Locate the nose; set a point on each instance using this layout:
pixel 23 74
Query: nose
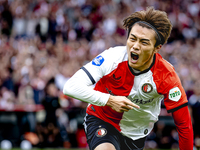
pixel 136 45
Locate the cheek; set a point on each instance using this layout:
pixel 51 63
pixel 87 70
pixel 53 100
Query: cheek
pixel 147 54
pixel 129 44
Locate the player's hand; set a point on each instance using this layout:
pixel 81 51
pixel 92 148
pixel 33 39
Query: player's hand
pixel 120 103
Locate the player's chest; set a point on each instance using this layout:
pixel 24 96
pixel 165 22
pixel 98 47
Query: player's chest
pixel 139 89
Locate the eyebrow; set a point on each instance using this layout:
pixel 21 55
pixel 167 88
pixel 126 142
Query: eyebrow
pixel 141 39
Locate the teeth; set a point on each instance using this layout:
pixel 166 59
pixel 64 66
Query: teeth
pixel 134 56
pixel 134 53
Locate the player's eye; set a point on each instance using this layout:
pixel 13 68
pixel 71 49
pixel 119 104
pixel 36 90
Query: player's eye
pixel 132 39
pixel 144 43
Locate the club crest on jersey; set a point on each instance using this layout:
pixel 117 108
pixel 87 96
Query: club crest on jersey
pixel 101 132
pixel 147 88
pixel 175 94
pixel 98 61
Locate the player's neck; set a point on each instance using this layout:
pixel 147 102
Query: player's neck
pixel 135 71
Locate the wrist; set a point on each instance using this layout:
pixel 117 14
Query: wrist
pixel 109 102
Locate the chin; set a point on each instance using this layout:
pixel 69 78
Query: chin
pixel 134 66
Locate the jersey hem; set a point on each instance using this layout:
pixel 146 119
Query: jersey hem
pixel 177 108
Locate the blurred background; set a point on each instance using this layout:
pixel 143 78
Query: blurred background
pixel 44 42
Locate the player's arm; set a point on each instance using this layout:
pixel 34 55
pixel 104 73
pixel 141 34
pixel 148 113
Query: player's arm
pixel 183 123
pixel 176 103
pixel 78 86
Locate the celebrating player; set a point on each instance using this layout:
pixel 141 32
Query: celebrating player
pixel 130 83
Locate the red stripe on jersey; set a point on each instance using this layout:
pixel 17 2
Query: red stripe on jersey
pixel 119 82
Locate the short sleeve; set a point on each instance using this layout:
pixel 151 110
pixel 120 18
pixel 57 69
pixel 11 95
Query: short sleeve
pixel 174 94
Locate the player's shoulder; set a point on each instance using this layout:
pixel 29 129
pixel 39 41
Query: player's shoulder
pixel 163 65
pixel 107 61
pixel 111 57
pixel 164 71
pixel 164 74
pixel 116 51
pixel 115 54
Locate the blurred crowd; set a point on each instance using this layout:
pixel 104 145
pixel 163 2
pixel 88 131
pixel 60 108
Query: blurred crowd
pixel 44 42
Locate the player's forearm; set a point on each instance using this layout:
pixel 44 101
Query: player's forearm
pixel 78 86
pixel 183 123
pixel 185 138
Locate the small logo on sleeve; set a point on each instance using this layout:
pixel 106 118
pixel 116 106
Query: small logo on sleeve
pixel 98 61
pixel 175 94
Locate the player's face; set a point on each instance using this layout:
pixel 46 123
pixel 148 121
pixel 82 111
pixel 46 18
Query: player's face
pixel 140 47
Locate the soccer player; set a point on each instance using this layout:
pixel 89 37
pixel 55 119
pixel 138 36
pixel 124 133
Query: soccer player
pixel 130 83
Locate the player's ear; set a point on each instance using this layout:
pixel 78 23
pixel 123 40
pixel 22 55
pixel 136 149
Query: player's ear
pixel 157 48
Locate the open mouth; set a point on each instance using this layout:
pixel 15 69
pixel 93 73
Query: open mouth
pixel 134 56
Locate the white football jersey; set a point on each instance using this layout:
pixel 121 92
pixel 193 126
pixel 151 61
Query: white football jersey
pixel 112 75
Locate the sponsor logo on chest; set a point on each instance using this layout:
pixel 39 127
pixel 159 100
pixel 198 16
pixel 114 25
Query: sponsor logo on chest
pixel 137 101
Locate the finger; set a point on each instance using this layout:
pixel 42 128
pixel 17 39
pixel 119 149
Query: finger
pixel 128 107
pixel 131 104
pixel 124 109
